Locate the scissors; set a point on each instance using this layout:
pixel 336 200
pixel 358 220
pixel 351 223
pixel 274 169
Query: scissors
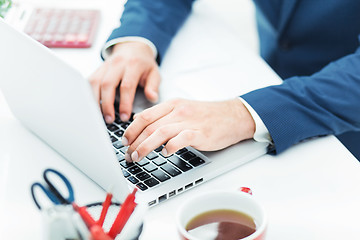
pixel 51 191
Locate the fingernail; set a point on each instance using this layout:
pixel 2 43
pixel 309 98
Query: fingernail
pixel 164 152
pixel 135 156
pixel 108 119
pixel 127 157
pixel 124 117
pixel 124 141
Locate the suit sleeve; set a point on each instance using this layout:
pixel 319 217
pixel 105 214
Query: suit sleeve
pixel 157 21
pixel 327 102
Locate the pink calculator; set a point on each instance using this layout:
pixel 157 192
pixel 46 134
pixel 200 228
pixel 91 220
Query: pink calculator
pixel 63 28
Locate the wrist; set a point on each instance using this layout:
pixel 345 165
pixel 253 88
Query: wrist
pixel 245 123
pixel 139 46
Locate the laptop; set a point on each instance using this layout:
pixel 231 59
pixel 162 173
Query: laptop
pixel 55 102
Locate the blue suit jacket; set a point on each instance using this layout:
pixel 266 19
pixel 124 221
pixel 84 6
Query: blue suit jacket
pixel 312 44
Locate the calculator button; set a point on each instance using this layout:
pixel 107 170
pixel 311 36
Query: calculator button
pixel 83 38
pixel 70 38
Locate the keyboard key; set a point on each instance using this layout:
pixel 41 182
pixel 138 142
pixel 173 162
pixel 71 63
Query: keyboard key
pixel 151 182
pixel 131 117
pixel 120 156
pixel 151 156
pixel 150 167
pixel 159 148
pixel 118 145
pixel 113 139
pixel 159 161
pixel 142 186
pixel 188 155
pixel 142 176
pixel 124 149
pixel 134 170
pixel 119 133
pixel 124 125
pixel 143 162
pixel 184 166
pixel 125 173
pixel 117 119
pixel 160 175
pixel 112 127
pixel 196 161
pixel 133 179
pixel 181 151
pixel 171 170
pixel 126 164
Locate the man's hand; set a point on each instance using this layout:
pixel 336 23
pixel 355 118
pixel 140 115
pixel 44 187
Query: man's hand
pixel 206 126
pixel 130 64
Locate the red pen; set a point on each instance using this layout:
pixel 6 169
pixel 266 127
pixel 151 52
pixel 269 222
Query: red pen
pixel 89 221
pixel 126 210
pixel 105 206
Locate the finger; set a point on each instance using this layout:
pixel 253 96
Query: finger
pixel 108 90
pixel 152 84
pixel 183 139
pixel 144 119
pixel 95 81
pixel 128 87
pixel 146 144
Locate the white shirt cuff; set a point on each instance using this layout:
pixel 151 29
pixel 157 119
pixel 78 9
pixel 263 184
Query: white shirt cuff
pixel 261 132
pixel 107 49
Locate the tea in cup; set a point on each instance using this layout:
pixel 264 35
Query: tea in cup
pixel 222 215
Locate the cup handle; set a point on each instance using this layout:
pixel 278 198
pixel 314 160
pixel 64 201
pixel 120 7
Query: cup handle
pixel 246 190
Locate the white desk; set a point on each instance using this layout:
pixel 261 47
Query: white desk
pixel 311 191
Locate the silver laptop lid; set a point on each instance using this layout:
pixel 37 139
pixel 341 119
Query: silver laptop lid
pixel 55 102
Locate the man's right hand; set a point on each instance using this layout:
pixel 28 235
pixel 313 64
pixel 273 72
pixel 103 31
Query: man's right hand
pixel 130 64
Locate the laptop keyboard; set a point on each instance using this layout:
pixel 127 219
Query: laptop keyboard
pixel 155 168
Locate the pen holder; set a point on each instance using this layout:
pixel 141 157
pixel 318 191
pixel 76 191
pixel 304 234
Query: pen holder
pixel 59 224
pixel 133 228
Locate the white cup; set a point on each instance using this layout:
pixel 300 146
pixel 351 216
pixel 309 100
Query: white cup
pixel 240 201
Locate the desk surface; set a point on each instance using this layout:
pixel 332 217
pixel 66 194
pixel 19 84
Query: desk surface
pixel 309 192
